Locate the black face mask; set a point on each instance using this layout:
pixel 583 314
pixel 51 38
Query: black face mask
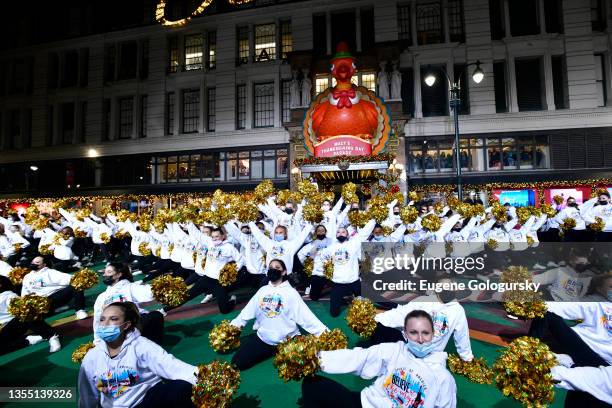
pixel 446 296
pixel 247 232
pixel 395 213
pixel 572 205
pixel 108 280
pixel 289 210
pixel 341 238
pixel 33 267
pixel 581 267
pixel 456 229
pixel 603 202
pixel 274 274
pixel 321 236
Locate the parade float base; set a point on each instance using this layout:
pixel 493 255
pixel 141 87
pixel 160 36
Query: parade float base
pixel 339 173
pixel 186 337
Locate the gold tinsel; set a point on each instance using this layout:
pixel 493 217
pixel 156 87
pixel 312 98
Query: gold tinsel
pixel 144 249
pixel 29 307
pixel 246 211
pixel 297 358
pixel 568 224
pixel 328 269
pixel 306 189
pixel 313 213
pixel 522 372
pixel 308 266
pixel 378 212
pixel 224 337
pixel 358 218
pixel 477 370
pixel 105 238
pixel 84 279
pixel 228 274
pixel 216 384
pixel 169 290
pixel 431 222
pixel 45 249
pixel 598 225
pixel 408 214
pixel 523 214
pixel 491 243
pixel 349 193
pixel 263 191
pixel 558 199
pixel 548 210
pixel 79 354
pixel 282 197
pixel 360 317
pixel 413 196
pixel 16 275
pixel 332 340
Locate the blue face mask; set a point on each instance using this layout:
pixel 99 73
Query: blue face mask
pixel 108 333
pixel 420 350
pixel 379 238
pixel 279 237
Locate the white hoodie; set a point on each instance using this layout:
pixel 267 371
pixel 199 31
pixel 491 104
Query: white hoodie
pixel 596 327
pixel 218 256
pixel 597 381
pixel 5 299
pixel 402 380
pixel 278 311
pixel 249 248
pixel 566 285
pixel 123 381
pixel 449 320
pixel 44 282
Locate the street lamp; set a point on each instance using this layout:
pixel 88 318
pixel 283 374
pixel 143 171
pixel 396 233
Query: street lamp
pixel 455 103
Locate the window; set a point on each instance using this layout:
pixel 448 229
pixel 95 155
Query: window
pixel 212 49
pixel 560 86
pixel 170 113
pixel 529 84
pixel 598 15
pixel 264 105
pixel 286 38
pixel 126 117
pixel 193 52
pixel 523 17
pixel 455 21
pixel 368 80
pixel 242 34
pixel 344 28
pixel 601 80
pixel 286 100
pixel 553 16
pixel 434 98
pixel 191 110
pixel 429 22
pixel 321 84
pixel 403 23
pixel 67 123
pixel 211 104
pixel 408 91
pixel 496 19
pixel 319 34
pixel 173 54
pixel 499 83
pixel 367 29
pixel 241 102
pixel 110 57
pixel 265 42
pixel 143 116
pixel 127 60
pixel 70 72
pixel 106 119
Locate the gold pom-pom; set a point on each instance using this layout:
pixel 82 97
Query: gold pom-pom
pixel 548 210
pixel 263 191
pixel 79 233
pixel 306 189
pixel 144 249
pixel 105 238
pixel 598 225
pixel 515 274
pixel 477 370
pixel 169 290
pixel 524 304
pixel 349 193
pixel 228 274
pixel 79 354
pixel 221 216
pixel 84 279
pixel 431 222
pixel 523 214
pixel 121 234
pixel 499 212
pixel 360 317
pixel 409 214
pixel 332 340
pixel 413 196
pixel 568 224
pixel 308 266
pixel 216 384
pixel 297 358
pixel 16 275
pixel 328 269
pixel 17 247
pixel 45 249
pixel 358 218
pixel 522 372
pixel 558 199
pixel 29 307
pixel 246 211
pixel 491 243
pixel 282 197
pixel 379 213
pixel 224 337
pixel 530 241
pixel 157 252
pixel 313 213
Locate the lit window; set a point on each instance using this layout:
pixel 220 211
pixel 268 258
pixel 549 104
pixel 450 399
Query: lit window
pixel 286 38
pixel 369 81
pixel 212 49
pixel 265 42
pixel 193 52
pixel 321 84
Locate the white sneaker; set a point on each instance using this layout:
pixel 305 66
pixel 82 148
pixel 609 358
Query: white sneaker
pixel 34 339
pixel 81 314
pixel 136 272
pixel 78 265
pixel 512 317
pixel 539 267
pixel 551 264
pixel 307 291
pixel 207 298
pixel 232 298
pixel 54 344
pixel 162 311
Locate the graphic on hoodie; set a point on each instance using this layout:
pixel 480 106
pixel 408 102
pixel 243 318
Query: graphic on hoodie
pixel 405 388
pixel 277 252
pixel 440 324
pixel 341 256
pixel 271 305
pixel 572 286
pixel 115 297
pixel 115 383
pixel 606 319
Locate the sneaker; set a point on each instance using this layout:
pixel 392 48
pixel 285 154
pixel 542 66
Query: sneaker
pixel 78 265
pixel 232 298
pixel 136 272
pixel 207 298
pixel 163 312
pixel 307 291
pixel 512 317
pixel 538 267
pixel 34 339
pixel 551 264
pixel 54 344
pixel 81 314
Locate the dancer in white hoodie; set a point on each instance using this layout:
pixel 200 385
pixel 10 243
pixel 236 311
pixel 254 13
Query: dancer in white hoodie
pixel 126 369
pixel 408 374
pixel 278 310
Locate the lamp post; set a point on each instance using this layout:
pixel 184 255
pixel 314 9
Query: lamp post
pixel 455 103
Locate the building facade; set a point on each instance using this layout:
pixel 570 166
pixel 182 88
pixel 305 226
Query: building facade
pixel 156 109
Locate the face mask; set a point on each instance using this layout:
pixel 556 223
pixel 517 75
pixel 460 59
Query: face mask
pixel 108 333
pixel 419 350
pixel 107 280
pixel 341 238
pixel 603 202
pixel 446 296
pixel 279 237
pixel 581 267
pixel 289 210
pixel 274 274
pixel 34 267
pixel 395 212
pixel 377 238
pixel 321 236
pixel 216 242
pixel 246 232
pixel 572 205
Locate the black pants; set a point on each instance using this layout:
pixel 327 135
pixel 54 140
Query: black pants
pixel 105 252
pixel 183 272
pixel 252 351
pixel 567 341
pixel 251 280
pixel 604 236
pixel 12 334
pixel 384 334
pixel 153 326
pixel 340 290
pixel 63 265
pixel 321 392
pixel 158 268
pixel 64 296
pixel 168 393
pixel 204 284
pixel 317 283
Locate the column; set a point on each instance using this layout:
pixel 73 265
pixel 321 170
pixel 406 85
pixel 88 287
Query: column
pixel 56 124
pixel 413 23
pixel 512 99
pixel 418 107
pixel 250 104
pixel 548 81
